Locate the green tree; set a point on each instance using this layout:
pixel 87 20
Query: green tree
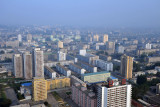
pixel 5 102
pixel 141 79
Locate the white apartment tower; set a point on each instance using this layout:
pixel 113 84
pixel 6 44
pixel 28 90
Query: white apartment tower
pixel 116 96
pixel 18 65
pixel 61 56
pixel 38 63
pixel 20 38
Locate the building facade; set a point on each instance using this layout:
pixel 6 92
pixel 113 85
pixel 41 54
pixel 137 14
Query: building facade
pixel 18 65
pixel 38 63
pixel 61 56
pixel 77 68
pixel 63 70
pixel 39 89
pixel 126 66
pixel 116 96
pixel 58 83
pixel 27 66
pixel 95 77
pixel 108 66
pixel 83 97
pixel 105 38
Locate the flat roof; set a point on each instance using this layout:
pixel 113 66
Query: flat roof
pixel 113 78
pixel 95 73
pixel 26 84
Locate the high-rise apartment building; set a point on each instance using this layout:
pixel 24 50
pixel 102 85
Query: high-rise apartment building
pixel 126 66
pixel 29 38
pixel 38 63
pixel 61 56
pixel 20 38
pixel 110 45
pixel 105 38
pixel 60 44
pixel 18 65
pixel 96 38
pixel 115 96
pixel 158 88
pixel 27 65
pixel 39 89
pixel 148 46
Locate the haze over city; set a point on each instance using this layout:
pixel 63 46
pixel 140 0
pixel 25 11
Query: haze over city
pixel 79 53
pixel 108 13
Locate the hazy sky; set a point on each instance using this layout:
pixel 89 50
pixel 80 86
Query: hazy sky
pixel 110 13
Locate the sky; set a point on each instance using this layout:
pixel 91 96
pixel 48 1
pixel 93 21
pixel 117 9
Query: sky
pixel 108 13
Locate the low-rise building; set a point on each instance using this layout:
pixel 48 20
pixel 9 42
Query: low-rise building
pixel 151 71
pixel 153 59
pixel 136 74
pixel 96 77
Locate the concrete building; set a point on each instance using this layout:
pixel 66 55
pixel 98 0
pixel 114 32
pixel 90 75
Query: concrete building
pixel 82 52
pixel 60 45
pixel 88 58
pixel 74 80
pixel 136 74
pixel 108 66
pixel 105 57
pixel 148 46
pixel 158 88
pixel 115 96
pixel 83 97
pixel 18 65
pixel 26 90
pixel 12 44
pixel 87 66
pixel 61 56
pixel 105 38
pixel 63 70
pixel 110 45
pixel 38 63
pixel 151 71
pixel 76 68
pixel 95 77
pixel 120 49
pixel 27 65
pixel 146 51
pixel 58 83
pixel 49 72
pixel 39 89
pixel 96 38
pixel 29 38
pixel 153 59
pixel 19 38
pixel 126 66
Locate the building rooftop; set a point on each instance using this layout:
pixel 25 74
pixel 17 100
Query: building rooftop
pixel 95 73
pixel 26 84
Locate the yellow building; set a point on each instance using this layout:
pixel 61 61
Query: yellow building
pixel 105 38
pixel 96 38
pixel 39 89
pixel 60 44
pixel 58 83
pixel 126 66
